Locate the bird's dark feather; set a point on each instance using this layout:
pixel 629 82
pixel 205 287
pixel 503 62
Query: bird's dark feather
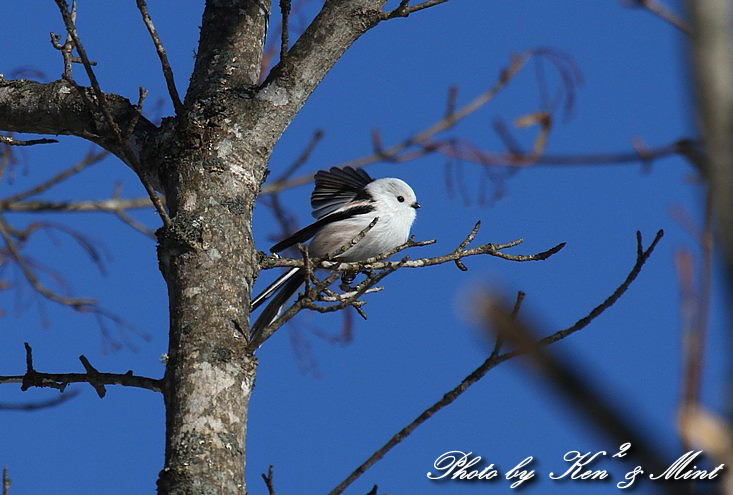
pixel 270 312
pixel 337 187
pixel 307 232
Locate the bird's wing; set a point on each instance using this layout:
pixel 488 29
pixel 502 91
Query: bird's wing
pixel 307 232
pixel 336 188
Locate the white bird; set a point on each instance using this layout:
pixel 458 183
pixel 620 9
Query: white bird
pixel 344 201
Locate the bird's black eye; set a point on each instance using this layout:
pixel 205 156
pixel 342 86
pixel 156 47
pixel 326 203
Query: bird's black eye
pixel 401 199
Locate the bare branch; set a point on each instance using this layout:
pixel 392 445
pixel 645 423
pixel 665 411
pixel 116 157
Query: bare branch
pixel 422 137
pixel 491 362
pixel 353 242
pixel 662 12
pixel 59 107
pixel 303 158
pixel 695 309
pixel 129 156
pixel 403 10
pixel 500 338
pixel 29 274
pixel 268 479
pixel 102 205
pixel 68 46
pixel 284 34
pixel 642 256
pixel 456 255
pixel 90 159
pixel 377 270
pixel 97 380
pixel 165 65
pixel 18 142
pixel 582 394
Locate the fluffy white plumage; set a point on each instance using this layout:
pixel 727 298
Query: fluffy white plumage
pixel 345 201
pixel 391 230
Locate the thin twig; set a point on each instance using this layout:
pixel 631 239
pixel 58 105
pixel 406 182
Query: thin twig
pixel 284 42
pixel 102 205
pixel 353 242
pixel 97 380
pixel 403 9
pixel 269 481
pixel 500 338
pixel 443 124
pixel 29 142
pixel 491 362
pixel 129 155
pixel 67 47
pixel 160 49
pixel 302 158
pixel 662 12
pixel 90 159
pixel 642 256
pixel 29 274
pixel 6 481
pixel 582 394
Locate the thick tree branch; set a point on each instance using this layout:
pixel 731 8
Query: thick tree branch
pixel 229 49
pixel 60 107
pixel 97 380
pixel 324 41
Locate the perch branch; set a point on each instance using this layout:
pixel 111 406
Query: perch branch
pixel 456 255
pixel 377 270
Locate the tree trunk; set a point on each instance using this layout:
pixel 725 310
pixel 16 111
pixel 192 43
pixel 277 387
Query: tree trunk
pixel 209 160
pixel 211 173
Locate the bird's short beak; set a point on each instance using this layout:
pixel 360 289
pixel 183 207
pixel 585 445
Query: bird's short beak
pixel 415 205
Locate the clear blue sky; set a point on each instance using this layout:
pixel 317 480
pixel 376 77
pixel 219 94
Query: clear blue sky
pixel 319 407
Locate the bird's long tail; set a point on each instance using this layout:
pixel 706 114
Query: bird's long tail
pixel 288 284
